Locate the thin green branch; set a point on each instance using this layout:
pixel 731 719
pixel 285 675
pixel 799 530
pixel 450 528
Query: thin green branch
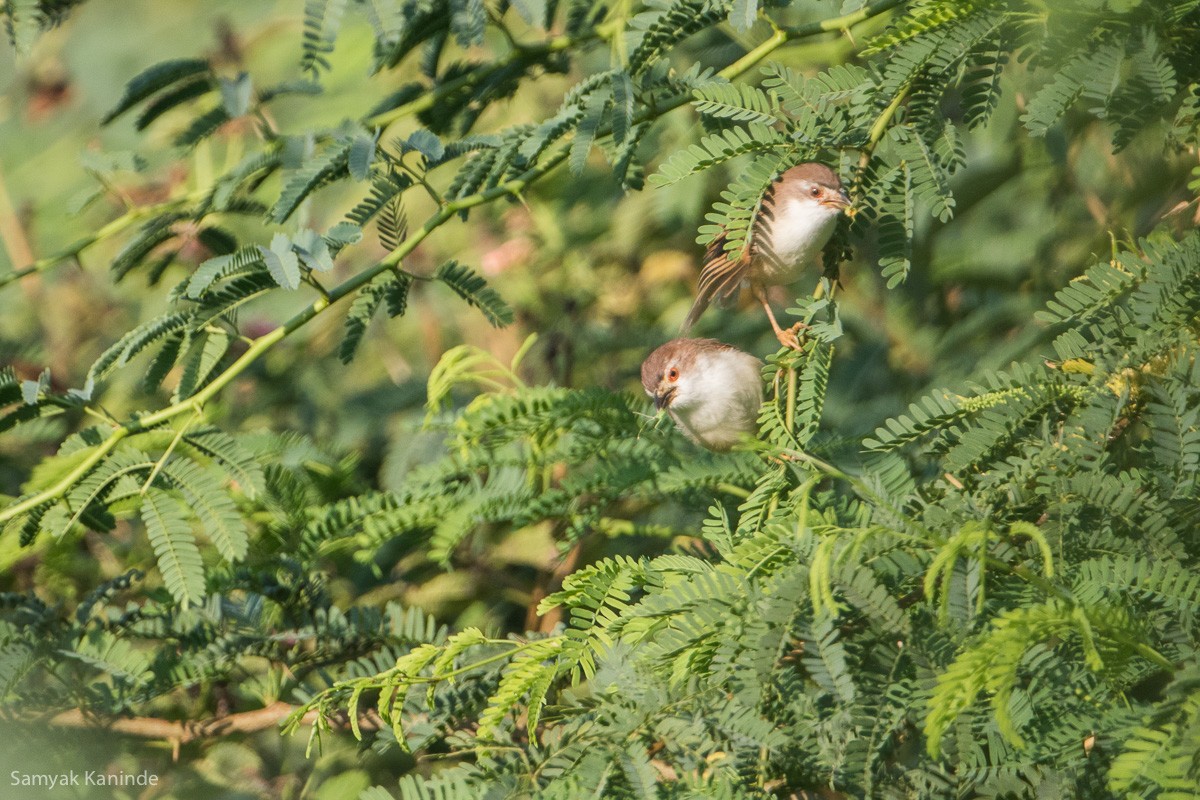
pixel 881 124
pixel 736 491
pixel 158 465
pixel 790 417
pixel 118 225
pixel 68 480
pixel 419 177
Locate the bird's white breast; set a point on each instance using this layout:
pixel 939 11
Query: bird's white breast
pixel 797 235
pixel 722 400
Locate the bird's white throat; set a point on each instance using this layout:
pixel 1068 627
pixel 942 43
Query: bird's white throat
pixel 797 235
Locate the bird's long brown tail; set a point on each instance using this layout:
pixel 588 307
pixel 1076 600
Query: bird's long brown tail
pixel 719 278
pixel 698 308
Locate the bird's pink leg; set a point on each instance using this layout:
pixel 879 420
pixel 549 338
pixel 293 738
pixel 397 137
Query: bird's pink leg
pixel 787 337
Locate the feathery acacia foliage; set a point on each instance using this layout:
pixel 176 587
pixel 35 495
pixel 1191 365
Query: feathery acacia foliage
pixel 991 595
pixel 1035 599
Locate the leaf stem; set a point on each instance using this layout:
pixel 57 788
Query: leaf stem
pixel 881 124
pixel 736 491
pixel 791 401
pixel 158 465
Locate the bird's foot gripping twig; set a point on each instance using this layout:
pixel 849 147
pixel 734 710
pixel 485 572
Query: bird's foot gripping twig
pixel 792 337
pixel 788 337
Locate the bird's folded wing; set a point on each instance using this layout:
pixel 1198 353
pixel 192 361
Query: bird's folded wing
pixel 720 278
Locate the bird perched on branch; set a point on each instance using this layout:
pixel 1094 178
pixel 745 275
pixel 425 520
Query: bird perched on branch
pixel 712 390
pixel 795 221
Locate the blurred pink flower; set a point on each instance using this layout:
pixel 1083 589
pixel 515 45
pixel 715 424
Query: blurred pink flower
pixel 506 256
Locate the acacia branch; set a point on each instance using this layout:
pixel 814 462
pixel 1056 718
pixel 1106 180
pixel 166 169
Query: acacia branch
pixel 512 188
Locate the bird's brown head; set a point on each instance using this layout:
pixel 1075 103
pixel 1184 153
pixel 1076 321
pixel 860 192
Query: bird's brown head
pixel 814 183
pixel 669 365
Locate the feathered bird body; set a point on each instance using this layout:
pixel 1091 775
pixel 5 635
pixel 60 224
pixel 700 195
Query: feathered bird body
pixel 712 391
pixel 791 240
pixel 796 219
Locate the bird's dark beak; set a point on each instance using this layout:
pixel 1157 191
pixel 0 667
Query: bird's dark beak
pixel 839 200
pixel 663 397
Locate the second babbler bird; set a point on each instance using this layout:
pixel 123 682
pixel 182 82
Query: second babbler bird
pixel 796 218
pixel 712 390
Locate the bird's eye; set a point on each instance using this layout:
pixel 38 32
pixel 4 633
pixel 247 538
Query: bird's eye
pixel 672 374
pixel 815 191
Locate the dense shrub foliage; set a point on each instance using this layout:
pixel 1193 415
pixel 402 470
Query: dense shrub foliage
pixel 990 594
